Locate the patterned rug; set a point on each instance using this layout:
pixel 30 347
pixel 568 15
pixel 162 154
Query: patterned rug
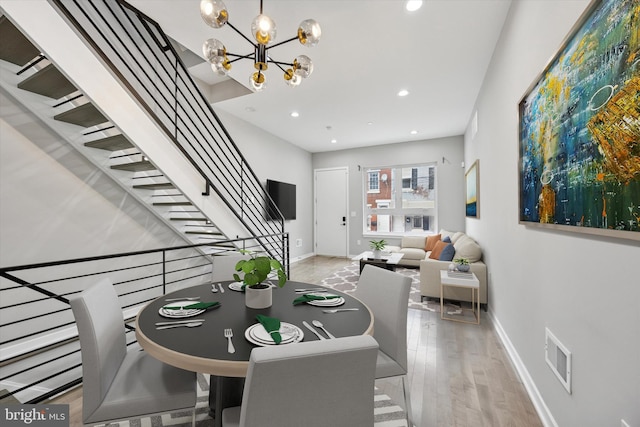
pixel 386 412
pixel 346 280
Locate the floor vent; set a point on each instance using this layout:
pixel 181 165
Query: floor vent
pixel 558 358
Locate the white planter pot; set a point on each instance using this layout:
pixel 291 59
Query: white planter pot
pixel 377 254
pixel 258 297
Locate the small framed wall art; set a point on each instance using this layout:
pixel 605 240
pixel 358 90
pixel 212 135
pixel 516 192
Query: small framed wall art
pixel 472 197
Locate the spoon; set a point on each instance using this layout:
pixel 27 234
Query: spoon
pixel 318 324
pixel 188 325
pixel 336 310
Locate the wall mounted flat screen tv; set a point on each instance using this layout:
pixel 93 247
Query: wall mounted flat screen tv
pixel 284 197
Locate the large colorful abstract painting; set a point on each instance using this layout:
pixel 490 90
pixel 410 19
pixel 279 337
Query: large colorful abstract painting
pixel 580 128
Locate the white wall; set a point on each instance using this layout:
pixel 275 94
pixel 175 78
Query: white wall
pixel 55 204
pixel 450 179
pixel 585 289
pixel 272 158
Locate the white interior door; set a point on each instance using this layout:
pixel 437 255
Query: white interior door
pixel 331 229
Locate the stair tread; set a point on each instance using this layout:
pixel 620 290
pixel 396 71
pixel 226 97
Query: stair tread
pixel 110 143
pixel 15 47
pixel 143 165
pixel 154 185
pixel 49 82
pixel 86 115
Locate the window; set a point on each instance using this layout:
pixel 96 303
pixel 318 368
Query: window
pixel 374 181
pixel 399 199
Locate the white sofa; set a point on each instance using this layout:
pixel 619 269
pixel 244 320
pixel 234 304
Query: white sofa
pixel 465 247
pixel 415 254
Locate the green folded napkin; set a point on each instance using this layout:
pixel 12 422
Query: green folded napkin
pixel 272 326
pixel 309 297
pixel 195 306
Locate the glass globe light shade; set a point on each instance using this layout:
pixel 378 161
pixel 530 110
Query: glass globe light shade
pixel 309 32
pixel 294 81
pixel 214 13
pixel 221 68
pixel 303 66
pixel 214 51
pixel 257 82
pixel 263 29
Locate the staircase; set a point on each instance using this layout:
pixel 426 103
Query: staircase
pixel 80 122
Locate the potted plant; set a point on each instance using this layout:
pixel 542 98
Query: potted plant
pixel 256 270
pixel 377 246
pixel 462 264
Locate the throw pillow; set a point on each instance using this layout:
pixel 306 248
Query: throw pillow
pixel 431 242
pixel 447 239
pixel 437 250
pixel 467 248
pixel 456 236
pixel 447 253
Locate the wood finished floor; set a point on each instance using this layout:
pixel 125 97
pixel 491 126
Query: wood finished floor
pixel 460 374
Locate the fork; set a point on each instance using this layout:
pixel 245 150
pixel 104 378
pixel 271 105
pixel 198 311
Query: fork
pixel 335 310
pixel 228 333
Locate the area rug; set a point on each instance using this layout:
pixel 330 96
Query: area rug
pixel 346 280
pixel 386 412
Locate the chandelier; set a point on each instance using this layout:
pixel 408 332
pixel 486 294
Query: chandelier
pixel 263 29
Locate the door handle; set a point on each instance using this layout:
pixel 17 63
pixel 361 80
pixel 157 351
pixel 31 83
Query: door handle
pixel 344 220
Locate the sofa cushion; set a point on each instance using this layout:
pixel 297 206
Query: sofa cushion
pixel 456 236
pixel 447 253
pixel 444 233
pixel 447 239
pixel 437 250
pixel 467 248
pixel 412 253
pixel 431 242
pixel 413 242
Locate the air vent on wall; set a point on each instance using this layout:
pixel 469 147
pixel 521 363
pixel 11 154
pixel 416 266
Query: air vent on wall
pixel 558 358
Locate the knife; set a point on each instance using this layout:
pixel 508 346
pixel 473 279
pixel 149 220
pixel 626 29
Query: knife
pixel 309 327
pixel 176 322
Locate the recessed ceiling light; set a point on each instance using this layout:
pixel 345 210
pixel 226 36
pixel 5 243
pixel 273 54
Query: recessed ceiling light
pixel 333 141
pixel 369 123
pixel 295 114
pixel 413 5
pixel 403 92
pixel 414 132
pixel 250 109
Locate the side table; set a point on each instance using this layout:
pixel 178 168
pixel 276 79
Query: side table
pixel 461 280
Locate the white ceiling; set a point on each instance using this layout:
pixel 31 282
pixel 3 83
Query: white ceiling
pixel 369 50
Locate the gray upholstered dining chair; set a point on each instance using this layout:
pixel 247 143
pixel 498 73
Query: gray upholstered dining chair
pixel 386 293
pixel 312 384
pixel 118 384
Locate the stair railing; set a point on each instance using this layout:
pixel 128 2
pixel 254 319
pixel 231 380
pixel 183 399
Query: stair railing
pixel 142 57
pixel 39 348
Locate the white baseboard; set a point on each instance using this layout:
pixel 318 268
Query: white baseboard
pixel 301 257
pixel 543 410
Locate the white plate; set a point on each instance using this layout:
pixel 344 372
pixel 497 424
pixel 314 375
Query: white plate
pixel 236 286
pixel 332 302
pixel 178 314
pixel 256 334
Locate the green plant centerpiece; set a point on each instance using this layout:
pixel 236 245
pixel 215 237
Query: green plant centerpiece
pixel 462 264
pixel 256 270
pixel 377 246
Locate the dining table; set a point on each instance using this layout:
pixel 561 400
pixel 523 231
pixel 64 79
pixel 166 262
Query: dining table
pixel 202 345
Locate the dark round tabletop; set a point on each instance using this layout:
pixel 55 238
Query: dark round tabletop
pixel 204 348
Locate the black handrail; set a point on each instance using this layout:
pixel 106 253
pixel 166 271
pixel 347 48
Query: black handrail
pixel 137 51
pixel 138 276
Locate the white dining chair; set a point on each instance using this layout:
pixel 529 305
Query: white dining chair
pixel 312 384
pixel 386 293
pixel 118 384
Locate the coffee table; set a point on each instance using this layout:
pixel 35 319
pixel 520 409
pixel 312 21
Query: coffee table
pixel 461 280
pixel 389 262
